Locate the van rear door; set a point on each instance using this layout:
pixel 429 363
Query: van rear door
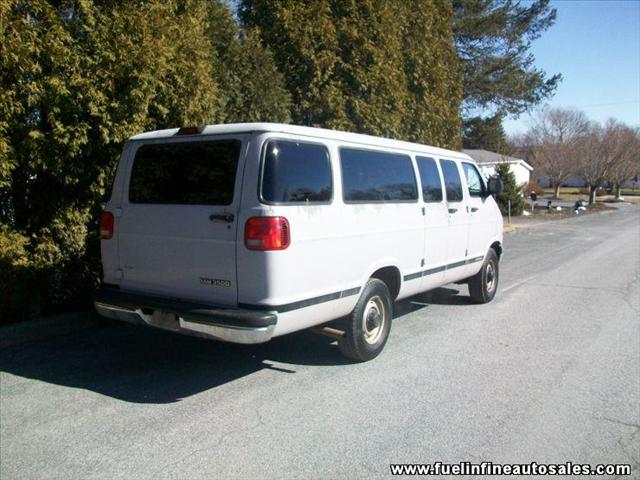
pixel 178 218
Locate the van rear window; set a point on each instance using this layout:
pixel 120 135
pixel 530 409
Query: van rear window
pixel 295 172
pixel 185 173
pixel 377 177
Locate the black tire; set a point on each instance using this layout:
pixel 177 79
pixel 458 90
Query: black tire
pixel 484 284
pixel 367 327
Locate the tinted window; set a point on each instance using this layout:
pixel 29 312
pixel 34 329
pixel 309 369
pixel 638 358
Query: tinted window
pixel 377 177
pixel 190 173
pixel 430 178
pixel 474 180
pixel 452 182
pixel 296 172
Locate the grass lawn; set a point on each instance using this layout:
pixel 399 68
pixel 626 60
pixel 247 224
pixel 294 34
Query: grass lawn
pixel 541 213
pixel 571 194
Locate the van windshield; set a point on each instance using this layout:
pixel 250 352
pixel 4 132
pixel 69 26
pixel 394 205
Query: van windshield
pixel 185 173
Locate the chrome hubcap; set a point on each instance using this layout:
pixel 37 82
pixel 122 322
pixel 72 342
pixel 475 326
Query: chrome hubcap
pixel 373 320
pixel 490 277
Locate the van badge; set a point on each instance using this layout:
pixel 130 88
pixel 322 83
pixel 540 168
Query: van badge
pixel 215 282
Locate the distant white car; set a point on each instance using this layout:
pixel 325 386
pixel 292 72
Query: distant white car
pixel 245 232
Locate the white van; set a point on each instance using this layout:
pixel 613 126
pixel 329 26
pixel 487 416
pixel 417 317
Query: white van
pixel 245 232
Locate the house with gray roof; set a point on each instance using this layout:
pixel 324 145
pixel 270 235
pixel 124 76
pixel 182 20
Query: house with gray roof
pixel 487 162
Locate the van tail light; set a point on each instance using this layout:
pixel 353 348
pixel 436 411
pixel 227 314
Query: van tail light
pixel 267 233
pixel 106 225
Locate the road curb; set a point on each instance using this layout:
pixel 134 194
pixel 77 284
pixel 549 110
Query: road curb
pixel 42 328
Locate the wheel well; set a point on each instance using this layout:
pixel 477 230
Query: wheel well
pixel 390 276
pixel 498 248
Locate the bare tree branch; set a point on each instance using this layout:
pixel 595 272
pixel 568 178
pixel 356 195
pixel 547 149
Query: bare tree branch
pixel 554 141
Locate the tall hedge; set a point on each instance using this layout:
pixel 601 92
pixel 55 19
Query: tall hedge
pixel 379 67
pixel 76 79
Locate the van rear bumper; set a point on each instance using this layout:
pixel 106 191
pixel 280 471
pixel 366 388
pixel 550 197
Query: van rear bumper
pixel 204 320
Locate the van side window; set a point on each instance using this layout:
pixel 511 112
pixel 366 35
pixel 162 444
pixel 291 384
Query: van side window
pixel 185 173
pixel 474 180
pixel 430 178
pixel 296 172
pixel 452 181
pixel 377 177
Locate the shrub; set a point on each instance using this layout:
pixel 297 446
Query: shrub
pixel 15 273
pixel 532 186
pixel 510 191
pixel 76 80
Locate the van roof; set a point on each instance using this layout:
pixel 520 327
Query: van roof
pixel 231 128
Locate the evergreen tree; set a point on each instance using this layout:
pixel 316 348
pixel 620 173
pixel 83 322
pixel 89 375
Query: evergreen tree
pixel 433 74
pixel 77 78
pixel 510 191
pixel 485 134
pixel 493 39
pixel 369 70
pixel 383 68
pixel 252 88
pixel 304 40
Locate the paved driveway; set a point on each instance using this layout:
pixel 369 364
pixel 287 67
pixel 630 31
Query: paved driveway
pixel 550 371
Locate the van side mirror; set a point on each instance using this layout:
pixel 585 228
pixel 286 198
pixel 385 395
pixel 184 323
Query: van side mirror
pixel 494 186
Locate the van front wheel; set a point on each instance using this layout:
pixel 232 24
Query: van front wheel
pixel 367 327
pixel 484 284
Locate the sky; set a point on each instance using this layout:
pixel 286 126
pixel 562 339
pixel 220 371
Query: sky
pixel 595 45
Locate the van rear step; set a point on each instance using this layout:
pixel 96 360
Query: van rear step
pixel 222 323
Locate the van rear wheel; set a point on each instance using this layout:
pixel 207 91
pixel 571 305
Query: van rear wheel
pixel 484 284
pixel 367 327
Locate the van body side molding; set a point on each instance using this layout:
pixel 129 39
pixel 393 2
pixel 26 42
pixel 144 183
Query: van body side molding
pixel 302 303
pixel 431 271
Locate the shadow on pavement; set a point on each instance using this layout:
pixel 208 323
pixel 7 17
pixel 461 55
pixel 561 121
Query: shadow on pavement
pixel 145 365
pixel 445 296
pixel 438 296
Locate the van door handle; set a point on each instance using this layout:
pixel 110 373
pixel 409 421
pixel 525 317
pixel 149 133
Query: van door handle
pixel 453 210
pixel 222 217
pixel 474 209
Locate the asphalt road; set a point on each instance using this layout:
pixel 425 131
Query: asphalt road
pixel 548 372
